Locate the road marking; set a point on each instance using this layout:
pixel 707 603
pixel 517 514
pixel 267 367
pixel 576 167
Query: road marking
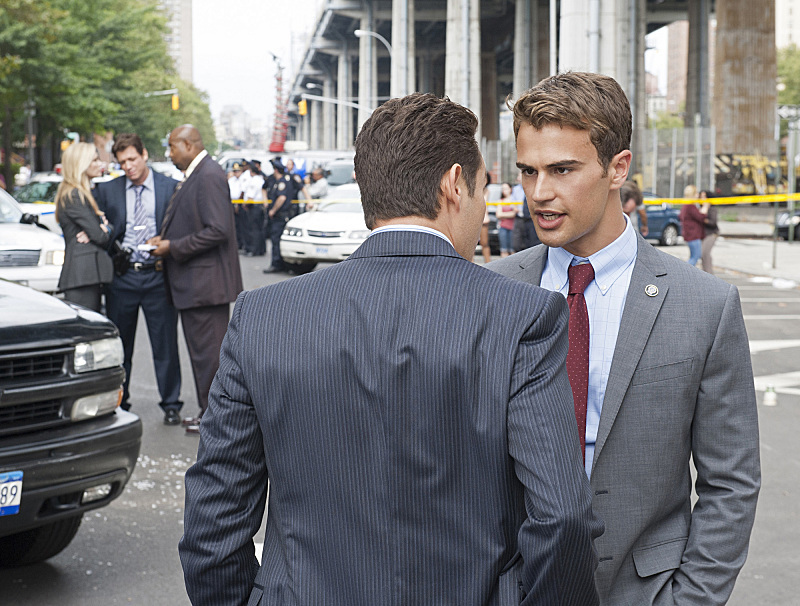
pixel 785 382
pixel 770 345
pixel 772 317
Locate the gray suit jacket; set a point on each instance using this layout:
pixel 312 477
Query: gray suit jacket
pixel 84 264
pixel 415 424
pixel 680 386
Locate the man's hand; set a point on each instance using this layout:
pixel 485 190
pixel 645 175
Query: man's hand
pixel 82 238
pixel 162 246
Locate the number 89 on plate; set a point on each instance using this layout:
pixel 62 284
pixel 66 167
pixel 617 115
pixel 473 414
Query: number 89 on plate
pixel 10 492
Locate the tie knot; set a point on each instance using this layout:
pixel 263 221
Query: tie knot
pixel 579 277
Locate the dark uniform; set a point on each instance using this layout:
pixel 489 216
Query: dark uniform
pixel 282 187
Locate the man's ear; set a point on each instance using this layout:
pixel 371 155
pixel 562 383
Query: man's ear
pixel 450 186
pixel 619 167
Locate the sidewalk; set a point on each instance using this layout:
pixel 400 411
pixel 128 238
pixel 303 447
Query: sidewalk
pixel 747 247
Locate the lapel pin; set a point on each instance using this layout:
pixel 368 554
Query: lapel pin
pixel 651 290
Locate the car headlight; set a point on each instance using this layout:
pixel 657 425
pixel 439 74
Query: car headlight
pixel 362 234
pixel 97 355
pixel 95 405
pixel 294 232
pixel 54 257
pixel 795 220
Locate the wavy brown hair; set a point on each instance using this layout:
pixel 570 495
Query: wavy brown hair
pixel 580 100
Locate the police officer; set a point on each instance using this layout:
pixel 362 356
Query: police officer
pixel 253 192
pixel 235 188
pixel 281 195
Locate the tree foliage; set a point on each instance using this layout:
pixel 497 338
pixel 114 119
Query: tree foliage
pixel 87 64
pixel 789 75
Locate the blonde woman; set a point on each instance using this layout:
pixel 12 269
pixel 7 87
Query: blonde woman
pixel 87 266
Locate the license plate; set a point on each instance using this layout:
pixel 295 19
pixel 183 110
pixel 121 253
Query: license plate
pixel 10 492
pixel 322 250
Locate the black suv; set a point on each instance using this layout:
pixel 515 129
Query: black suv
pixel 65 446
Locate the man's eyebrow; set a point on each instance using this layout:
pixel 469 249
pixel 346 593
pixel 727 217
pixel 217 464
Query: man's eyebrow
pixel 559 164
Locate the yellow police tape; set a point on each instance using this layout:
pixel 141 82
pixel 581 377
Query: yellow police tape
pixel 650 201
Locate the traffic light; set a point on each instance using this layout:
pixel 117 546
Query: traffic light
pixel 302 107
pixel 176 102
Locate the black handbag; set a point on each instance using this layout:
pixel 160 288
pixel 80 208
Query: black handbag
pixel 121 258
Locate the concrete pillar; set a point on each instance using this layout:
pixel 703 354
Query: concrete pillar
pixel 526 46
pixel 315 126
pixel 490 105
pixel 697 75
pixel 367 69
pixel 462 58
pixel 344 113
pixel 403 52
pixel 744 77
pixel 328 114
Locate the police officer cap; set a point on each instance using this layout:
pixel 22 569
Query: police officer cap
pixel 276 164
pixel 236 166
pixel 255 162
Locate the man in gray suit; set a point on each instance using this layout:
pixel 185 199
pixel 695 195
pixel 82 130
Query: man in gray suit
pixel 414 423
pixel 667 374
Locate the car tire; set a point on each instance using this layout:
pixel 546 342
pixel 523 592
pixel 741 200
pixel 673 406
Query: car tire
pixel 38 544
pixel 669 236
pixel 303 267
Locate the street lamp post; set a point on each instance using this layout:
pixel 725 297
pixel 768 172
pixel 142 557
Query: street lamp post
pixel 360 33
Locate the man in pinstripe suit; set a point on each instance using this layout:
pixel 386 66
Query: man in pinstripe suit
pixel 415 424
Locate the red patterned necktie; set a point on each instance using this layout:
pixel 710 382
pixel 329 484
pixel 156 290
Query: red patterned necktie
pixel 578 355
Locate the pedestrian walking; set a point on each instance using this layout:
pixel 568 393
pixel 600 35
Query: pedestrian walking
pixel 633 206
pixel 692 225
pixel 281 195
pixel 505 220
pixel 710 231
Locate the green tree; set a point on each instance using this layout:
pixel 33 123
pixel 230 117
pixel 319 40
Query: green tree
pixel 87 65
pixel 789 75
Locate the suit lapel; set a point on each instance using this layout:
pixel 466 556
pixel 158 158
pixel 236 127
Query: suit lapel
pixel 638 316
pixel 160 186
pixel 170 209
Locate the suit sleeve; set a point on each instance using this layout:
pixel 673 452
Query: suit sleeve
pixel 213 205
pixel 226 488
pixel 83 216
pixel 556 539
pixel 725 452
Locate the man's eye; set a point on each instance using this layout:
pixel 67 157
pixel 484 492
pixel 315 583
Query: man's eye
pixel 562 170
pixel 528 171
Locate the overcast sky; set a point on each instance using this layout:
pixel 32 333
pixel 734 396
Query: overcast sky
pixel 232 41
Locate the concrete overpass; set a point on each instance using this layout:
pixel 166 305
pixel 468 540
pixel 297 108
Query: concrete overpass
pixel 479 52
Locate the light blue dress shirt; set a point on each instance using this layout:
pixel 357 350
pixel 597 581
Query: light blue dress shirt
pixel 149 201
pixel 605 299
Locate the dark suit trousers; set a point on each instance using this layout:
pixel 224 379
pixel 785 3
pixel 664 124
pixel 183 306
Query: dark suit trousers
pixel 88 296
pixel 204 329
pixel 146 290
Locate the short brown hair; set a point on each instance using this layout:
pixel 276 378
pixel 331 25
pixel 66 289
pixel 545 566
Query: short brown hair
pixel 125 140
pixel 584 101
pixel 405 148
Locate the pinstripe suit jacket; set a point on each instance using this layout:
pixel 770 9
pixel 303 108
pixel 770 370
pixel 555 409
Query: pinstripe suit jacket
pixel 680 386
pixel 415 424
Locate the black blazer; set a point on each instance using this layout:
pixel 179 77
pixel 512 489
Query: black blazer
pixel 111 199
pixel 84 264
pixel 202 267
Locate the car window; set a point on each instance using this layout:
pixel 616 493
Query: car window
pixel 340 206
pixel 340 173
pixel 36 192
pixel 9 211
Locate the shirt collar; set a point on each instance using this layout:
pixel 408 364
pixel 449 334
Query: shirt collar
pixel 608 263
pixel 148 181
pixel 417 228
pixel 193 164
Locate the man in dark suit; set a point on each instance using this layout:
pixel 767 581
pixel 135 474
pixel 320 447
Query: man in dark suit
pixel 414 424
pixel 135 205
pixel 659 361
pixel 198 245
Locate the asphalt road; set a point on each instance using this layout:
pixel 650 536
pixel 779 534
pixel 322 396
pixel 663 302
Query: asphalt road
pixel 127 553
